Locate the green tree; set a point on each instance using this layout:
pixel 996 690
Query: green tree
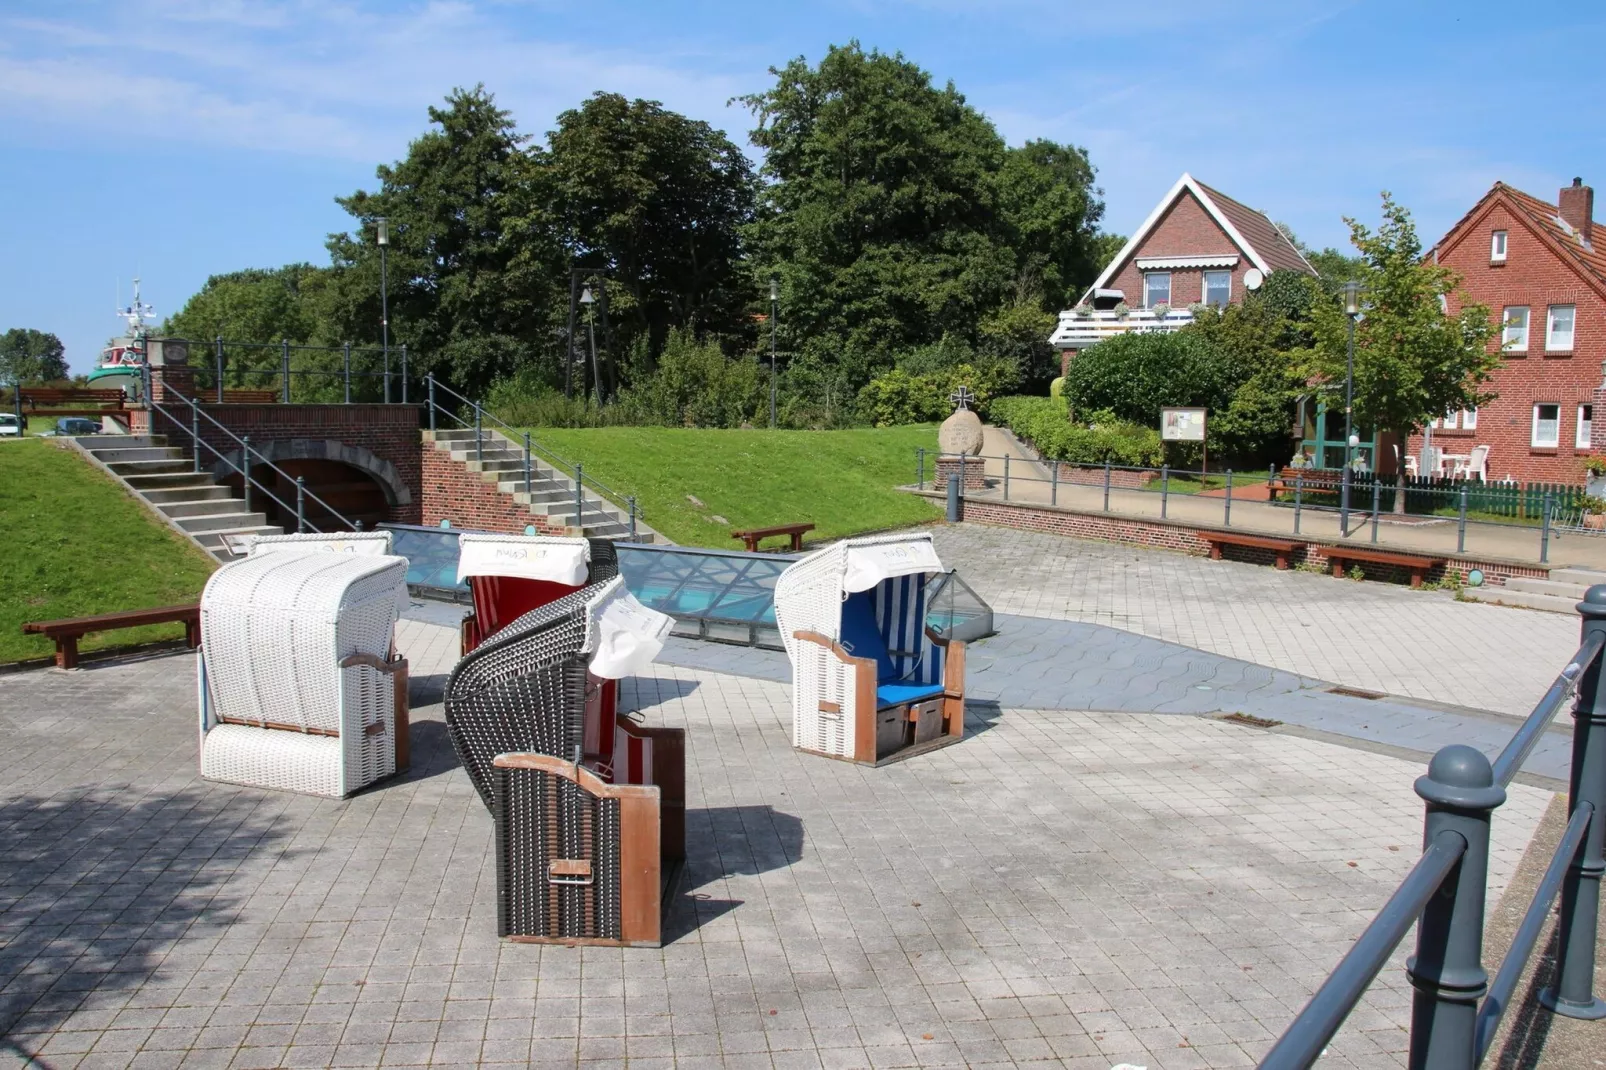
pixel 1051 211
pixel 27 356
pixel 476 267
pixel 1134 376
pixel 658 200
pixel 1333 266
pixel 1413 361
pixel 1258 340
pixel 881 212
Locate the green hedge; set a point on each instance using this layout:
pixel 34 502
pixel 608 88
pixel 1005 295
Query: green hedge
pixel 1042 422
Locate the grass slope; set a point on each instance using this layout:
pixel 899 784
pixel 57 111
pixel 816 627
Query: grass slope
pixel 73 543
pixel 842 481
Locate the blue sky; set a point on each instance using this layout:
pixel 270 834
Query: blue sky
pixel 179 138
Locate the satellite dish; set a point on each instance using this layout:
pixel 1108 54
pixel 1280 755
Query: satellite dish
pixel 1253 278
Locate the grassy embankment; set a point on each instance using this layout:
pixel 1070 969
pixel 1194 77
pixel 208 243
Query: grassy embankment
pixel 841 481
pixel 72 543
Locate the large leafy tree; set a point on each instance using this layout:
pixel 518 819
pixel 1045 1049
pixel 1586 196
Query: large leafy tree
pixel 27 356
pixel 1050 210
pixel 658 201
pixel 1413 360
pixel 474 259
pixel 881 214
pixel 256 305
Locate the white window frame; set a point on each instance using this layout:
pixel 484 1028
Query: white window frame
pixel 1497 245
pixel 1552 344
pixel 1147 275
pixel 1469 419
pixel 1509 340
pixel 1204 287
pixel 1450 420
pixel 1555 441
pixel 1581 435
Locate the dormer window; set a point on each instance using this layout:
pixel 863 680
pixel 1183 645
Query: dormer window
pixel 1497 246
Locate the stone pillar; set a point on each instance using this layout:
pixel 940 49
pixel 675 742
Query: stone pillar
pixel 170 369
pixel 975 472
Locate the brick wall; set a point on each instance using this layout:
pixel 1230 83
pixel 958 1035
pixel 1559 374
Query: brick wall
pixel 1186 229
pixel 1093 476
pixel 1535 276
pixel 390 432
pixel 449 491
pixel 1169 535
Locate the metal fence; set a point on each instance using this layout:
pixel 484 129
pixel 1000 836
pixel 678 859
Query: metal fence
pixel 1542 512
pixel 303 373
pixel 1456 1010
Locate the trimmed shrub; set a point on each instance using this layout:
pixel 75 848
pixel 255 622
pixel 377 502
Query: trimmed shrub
pixel 1044 423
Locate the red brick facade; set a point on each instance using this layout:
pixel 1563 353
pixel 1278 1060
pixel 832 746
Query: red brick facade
pixel 452 493
pixel 1538 272
pixel 1185 229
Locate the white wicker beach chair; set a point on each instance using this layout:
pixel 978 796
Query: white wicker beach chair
pixel 297 685
pixel 509 575
pixel 871 681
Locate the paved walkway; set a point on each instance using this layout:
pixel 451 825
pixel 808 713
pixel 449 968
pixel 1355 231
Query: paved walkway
pixel 1382 637
pixel 1509 542
pixel 1061 889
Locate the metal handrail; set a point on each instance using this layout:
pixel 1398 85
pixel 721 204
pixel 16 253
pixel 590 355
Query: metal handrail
pixel 558 462
pixel 1533 729
pixel 1302 1042
pixel 247 454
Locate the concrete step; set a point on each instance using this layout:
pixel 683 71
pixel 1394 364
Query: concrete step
pixel 159 480
pixel 220 521
pixel 146 468
pixel 191 493
pixel 119 455
pixel 214 544
pixel 94 442
pixel 1583 577
pixel 1529 585
pixel 203 507
pixel 1507 597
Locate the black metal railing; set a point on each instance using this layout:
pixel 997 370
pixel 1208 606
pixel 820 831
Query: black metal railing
pixel 1549 511
pixel 248 459
pixel 1455 1010
pixel 478 417
pixel 295 372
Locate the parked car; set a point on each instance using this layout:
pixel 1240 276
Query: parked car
pixel 11 425
pixel 77 425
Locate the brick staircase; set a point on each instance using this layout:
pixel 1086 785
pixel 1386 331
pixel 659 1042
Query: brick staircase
pixel 165 479
pixel 1560 593
pixel 550 500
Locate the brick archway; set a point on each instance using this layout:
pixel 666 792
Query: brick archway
pixel 383 472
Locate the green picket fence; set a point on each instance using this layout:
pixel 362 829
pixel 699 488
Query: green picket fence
pixel 1427 495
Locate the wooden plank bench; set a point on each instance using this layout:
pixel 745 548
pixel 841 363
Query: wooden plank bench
pixel 74 401
pixel 1281 548
pixel 1310 481
pixel 245 397
pixel 68 631
pixel 752 537
pixel 1418 564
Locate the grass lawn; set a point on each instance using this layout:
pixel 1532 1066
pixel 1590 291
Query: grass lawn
pixel 841 481
pixel 72 543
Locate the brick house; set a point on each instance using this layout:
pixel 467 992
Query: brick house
pixel 1198 246
pixel 1539 269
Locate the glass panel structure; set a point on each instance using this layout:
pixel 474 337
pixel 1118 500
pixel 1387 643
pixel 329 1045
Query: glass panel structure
pixel 722 595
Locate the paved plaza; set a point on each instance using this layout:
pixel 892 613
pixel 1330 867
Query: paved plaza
pixel 1379 636
pixel 1062 889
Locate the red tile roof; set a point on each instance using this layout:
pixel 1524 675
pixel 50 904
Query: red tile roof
pixel 1261 233
pixel 1546 218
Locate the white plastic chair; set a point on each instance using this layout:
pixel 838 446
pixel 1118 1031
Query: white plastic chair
pixel 1477 466
pixel 297 687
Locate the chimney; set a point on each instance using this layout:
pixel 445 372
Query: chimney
pixel 1577 206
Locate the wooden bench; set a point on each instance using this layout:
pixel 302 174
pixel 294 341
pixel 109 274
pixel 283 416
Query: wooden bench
pixel 245 397
pixel 74 401
pixel 1310 481
pixel 1417 563
pixel 1281 548
pixel 752 537
pixel 67 632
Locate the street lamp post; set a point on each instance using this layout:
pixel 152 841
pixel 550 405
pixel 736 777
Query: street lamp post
pixel 382 237
pixel 1352 309
pixel 587 299
pixel 775 304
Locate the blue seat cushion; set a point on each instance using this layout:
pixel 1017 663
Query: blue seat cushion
pixel 903 694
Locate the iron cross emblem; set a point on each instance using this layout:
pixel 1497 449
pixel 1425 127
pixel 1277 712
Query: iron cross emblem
pixel 962 398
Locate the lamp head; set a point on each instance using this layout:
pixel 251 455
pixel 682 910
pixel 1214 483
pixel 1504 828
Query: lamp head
pixel 775 288
pixel 1352 298
pixel 586 298
pixel 382 230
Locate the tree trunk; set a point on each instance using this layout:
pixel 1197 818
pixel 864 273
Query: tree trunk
pixel 1399 476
